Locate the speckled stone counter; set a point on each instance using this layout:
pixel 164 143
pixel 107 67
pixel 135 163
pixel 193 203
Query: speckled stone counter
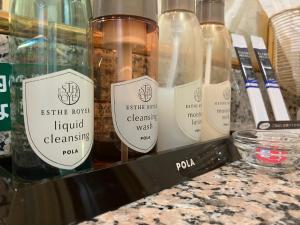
pixel 234 194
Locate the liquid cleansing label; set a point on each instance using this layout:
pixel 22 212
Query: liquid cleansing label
pixel 188 109
pixel 58 116
pixel 134 111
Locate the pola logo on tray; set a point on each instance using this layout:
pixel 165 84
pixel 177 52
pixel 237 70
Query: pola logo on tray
pixel 183 165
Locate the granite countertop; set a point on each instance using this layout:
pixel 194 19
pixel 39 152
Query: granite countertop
pixel 233 194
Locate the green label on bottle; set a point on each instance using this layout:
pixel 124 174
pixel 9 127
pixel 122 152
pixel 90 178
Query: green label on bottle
pixel 5 122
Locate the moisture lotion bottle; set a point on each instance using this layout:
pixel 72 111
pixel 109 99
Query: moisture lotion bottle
pixel 179 75
pixel 216 95
pixel 124 54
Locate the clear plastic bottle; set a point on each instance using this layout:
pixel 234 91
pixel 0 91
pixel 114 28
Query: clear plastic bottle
pixel 180 75
pixel 52 95
pixel 216 96
pixel 124 55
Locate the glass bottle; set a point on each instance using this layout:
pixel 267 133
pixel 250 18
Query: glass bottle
pixel 52 95
pixel 124 54
pixel 179 75
pixel 216 95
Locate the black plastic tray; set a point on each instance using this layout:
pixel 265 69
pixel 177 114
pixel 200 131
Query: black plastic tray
pixel 70 200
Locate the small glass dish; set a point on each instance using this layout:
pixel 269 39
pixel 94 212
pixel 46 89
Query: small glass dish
pixel 275 151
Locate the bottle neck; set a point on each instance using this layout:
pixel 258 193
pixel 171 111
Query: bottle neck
pixel 139 8
pixel 210 12
pixel 178 5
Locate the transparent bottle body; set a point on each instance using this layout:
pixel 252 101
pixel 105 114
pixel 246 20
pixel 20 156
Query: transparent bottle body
pixel 180 63
pixel 180 49
pixel 216 82
pixel 218 44
pixel 46 37
pixel 123 48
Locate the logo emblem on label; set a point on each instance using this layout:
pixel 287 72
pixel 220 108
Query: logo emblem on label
pixel 227 93
pixel 145 93
pixel 69 93
pixel 197 95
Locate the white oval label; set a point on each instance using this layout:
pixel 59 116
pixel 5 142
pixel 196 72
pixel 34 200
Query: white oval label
pixel 59 117
pixel 216 106
pixel 134 112
pixel 264 126
pixel 188 108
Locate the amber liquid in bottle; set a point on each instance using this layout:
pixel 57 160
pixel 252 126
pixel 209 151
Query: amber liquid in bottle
pixel 123 48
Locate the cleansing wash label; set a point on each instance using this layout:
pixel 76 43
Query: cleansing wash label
pixel 134 112
pixel 58 117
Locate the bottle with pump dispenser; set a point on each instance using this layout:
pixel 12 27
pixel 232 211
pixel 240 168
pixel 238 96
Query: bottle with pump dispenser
pixel 216 95
pixel 124 55
pixel 179 75
pixel 52 95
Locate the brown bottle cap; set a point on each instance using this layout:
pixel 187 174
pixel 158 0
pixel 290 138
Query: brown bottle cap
pixel 210 11
pixel 141 8
pixel 170 5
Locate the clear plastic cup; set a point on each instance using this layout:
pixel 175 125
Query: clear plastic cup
pixel 273 151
